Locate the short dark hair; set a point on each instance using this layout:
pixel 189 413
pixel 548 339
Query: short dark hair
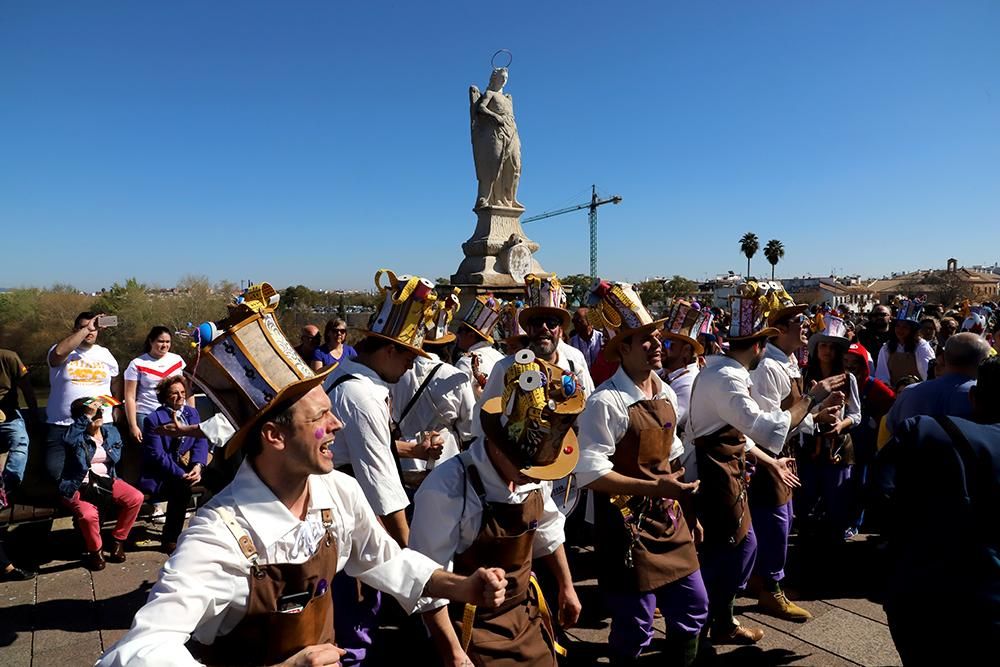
pixel 166 383
pixel 744 344
pixel 372 344
pixel 988 382
pixel 85 315
pixel 282 415
pixel 77 407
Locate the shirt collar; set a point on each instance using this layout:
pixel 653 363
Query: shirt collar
pixel 352 367
pixel 270 519
pixel 492 482
pixel 690 368
pixel 479 345
pixel 627 386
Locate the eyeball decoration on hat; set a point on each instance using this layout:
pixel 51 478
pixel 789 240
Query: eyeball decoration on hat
pixel 404 314
pixel 752 306
pixel 482 316
pixel 438 316
pixel 531 422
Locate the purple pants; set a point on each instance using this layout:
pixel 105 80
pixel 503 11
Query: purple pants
pixel 726 570
pixel 772 526
pixel 684 604
pixel 354 621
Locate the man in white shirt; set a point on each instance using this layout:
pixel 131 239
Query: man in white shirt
pixel 725 426
pixel 250 578
pixel 630 458
pixel 492 506
pixel 680 367
pixel 78 368
pixel 475 354
pixel 777 385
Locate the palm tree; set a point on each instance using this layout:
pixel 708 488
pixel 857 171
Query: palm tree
pixel 749 246
pixel 774 251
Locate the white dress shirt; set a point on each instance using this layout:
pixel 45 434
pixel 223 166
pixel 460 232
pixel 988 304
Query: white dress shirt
pixel 203 589
pixel 568 358
pixel 445 405
pixel 772 383
pixel 605 421
pixel 681 381
pixel 488 357
pixel 721 397
pixel 924 353
pixel 362 404
pixel 447 515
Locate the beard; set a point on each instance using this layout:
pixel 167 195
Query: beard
pixel 544 347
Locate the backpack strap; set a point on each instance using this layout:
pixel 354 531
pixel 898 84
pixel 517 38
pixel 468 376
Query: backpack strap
pixel 420 390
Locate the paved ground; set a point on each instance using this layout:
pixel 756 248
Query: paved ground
pixel 68 616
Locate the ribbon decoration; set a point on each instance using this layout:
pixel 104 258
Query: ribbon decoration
pixel 543 610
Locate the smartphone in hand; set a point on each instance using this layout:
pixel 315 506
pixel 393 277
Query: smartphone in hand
pixel 105 321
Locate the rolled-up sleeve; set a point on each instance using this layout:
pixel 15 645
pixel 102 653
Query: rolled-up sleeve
pixel 600 428
pixel 551 526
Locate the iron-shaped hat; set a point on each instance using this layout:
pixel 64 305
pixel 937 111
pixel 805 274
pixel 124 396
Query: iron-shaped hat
pixel 751 307
pixel 406 310
pixel 247 366
pixel 532 421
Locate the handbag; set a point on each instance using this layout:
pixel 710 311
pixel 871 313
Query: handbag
pixel 99 488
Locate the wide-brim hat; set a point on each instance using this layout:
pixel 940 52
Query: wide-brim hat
pixel 482 316
pixel 406 310
pixel 532 421
pixel 785 312
pixel 829 329
pixel 617 307
pixel 544 297
pixel 683 320
pixel 750 308
pixel 489 339
pixel 440 314
pixel 247 366
pixel 698 348
pixel 818 338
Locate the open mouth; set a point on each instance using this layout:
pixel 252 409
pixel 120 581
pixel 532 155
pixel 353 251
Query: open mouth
pixel 326 449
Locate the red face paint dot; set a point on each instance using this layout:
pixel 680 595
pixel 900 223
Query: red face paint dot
pixel 567 450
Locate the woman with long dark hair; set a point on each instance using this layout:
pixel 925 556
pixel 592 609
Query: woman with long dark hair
pixel 144 373
pixel 905 353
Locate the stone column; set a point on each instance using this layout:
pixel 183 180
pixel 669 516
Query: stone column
pixel 498 254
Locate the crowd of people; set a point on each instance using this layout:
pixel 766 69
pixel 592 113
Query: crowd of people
pixel 450 451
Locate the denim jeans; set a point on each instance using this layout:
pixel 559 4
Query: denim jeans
pixel 14 442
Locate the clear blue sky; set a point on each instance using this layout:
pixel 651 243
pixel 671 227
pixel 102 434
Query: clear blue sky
pixel 314 142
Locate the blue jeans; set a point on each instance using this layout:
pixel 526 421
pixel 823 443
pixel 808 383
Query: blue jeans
pixel 14 441
pixel 55 450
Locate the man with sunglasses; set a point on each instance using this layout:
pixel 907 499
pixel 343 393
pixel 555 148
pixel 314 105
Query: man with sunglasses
pixel 777 384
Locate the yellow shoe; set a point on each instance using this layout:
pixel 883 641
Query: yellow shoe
pixel 777 605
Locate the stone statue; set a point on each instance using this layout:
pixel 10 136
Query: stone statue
pixel 496 148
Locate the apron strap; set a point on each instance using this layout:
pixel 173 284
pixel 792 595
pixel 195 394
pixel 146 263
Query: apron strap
pixel 243 540
pixel 546 614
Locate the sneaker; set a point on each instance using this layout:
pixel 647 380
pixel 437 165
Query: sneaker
pixel 778 605
pixel 739 634
pixel 16 574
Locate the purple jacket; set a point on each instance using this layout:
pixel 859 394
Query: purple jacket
pixel 161 453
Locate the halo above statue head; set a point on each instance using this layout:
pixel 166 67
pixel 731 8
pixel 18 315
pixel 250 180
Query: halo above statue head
pixel 510 59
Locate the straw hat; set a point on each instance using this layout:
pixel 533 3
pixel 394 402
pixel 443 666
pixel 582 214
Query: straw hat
pixel 543 296
pixel 616 307
pixel 406 311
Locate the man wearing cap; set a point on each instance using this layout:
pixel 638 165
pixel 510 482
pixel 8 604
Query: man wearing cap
pixel 725 427
pixel 492 506
pixel 544 319
pixel 250 579
pixel 475 353
pixel 777 384
pixel 630 457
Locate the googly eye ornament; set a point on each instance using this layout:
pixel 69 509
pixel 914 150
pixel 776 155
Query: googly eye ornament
pixel 530 380
pixel 568 385
pixel 524 356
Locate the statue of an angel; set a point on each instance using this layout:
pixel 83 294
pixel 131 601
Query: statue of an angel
pixel 496 148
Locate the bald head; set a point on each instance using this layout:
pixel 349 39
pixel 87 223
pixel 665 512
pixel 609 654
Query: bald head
pixel 964 352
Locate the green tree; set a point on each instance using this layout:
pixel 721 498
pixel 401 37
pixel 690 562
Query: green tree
pixel 749 245
pixel 774 251
pixel 678 287
pixel 576 287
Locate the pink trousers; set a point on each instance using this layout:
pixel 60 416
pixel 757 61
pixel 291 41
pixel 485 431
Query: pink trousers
pixel 129 500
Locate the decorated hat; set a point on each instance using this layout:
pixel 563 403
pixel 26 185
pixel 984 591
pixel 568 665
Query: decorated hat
pixel 247 366
pixel 482 316
pixel 909 310
pixel 442 312
pixel 829 329
pixel 617 308
pixel 406 312
pixel 684 323
pixel 509 325
pixel 532 422
pixel 543 296
pixel 782 305
pixel 751 307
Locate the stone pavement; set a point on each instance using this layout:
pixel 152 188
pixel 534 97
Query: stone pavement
pixel 68 615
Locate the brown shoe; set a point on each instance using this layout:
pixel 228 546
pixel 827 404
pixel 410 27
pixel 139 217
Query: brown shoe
pixel 738 635
pixel 778 605
pixel 94 561
pixel 117 552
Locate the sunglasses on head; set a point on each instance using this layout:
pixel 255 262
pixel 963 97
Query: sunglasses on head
pixel 549 321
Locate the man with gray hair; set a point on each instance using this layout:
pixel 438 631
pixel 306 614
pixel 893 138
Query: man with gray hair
pixel 948 394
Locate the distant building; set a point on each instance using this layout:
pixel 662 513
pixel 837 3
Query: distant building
pixel 939 286
pixel 718 290
pixel 836 291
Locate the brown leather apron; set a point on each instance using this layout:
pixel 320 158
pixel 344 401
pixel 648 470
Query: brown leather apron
pixel 766 487
pixel 267 636
pixel 655 546
pixel 511 634
pixel 901 364
pixel 722 497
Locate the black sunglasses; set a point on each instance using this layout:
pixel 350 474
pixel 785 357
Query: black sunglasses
pixel 550 321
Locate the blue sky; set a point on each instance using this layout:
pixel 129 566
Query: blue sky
pixel 315 142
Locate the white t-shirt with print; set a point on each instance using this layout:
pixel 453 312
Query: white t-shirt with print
pixel 147 372
pixel 85 373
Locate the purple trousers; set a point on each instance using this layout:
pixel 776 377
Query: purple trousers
pixel 726 570
pixel 354 621
pixel 772 526
pixel 684 604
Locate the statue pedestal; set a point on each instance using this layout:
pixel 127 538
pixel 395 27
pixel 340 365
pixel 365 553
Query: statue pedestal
pixel 498 254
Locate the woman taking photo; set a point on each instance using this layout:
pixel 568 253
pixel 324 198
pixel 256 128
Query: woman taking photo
pixel 827 455
pixel 334 347
pixel 171 466
pixel 88 480
pixel 144 373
